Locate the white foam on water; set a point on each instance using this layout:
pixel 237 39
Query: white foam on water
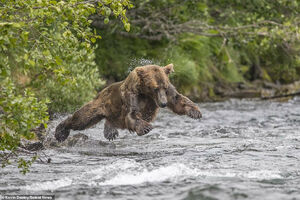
pixel 263 174
pixel 177 171
pixel 217 174
pixel 87 177
pixel 49 185
pixel 120 164
pixel 255 174
pixel 157 175
pixel 116 167
pixel 130 172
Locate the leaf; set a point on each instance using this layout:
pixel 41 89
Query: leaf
pixel 93 40
pixel 107 11
pixel 127 27
pixel 106 20
pixel 25 56
pixel 31 62
pixel 58 60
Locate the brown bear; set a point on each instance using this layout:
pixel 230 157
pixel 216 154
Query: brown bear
pixel 131 104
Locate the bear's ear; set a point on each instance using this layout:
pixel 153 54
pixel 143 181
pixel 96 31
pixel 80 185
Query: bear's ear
pixel 169 69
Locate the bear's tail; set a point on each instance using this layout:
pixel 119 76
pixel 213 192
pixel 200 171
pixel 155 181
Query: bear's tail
pixel 61 132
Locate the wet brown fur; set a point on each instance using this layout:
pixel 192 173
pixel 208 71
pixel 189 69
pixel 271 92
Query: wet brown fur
pixel 130 104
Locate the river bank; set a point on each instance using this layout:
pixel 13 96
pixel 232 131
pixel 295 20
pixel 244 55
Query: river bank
pixel 257 89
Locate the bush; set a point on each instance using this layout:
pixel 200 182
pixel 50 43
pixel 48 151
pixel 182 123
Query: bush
pixel 46 63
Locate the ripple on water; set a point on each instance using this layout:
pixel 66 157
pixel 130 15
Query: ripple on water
pixel 239 150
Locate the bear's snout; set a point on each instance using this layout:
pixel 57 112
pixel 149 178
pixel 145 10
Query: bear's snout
pixel 162 98
pixel 163 105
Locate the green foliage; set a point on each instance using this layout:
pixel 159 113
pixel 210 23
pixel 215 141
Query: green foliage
pixel 272 39
pixel 46 62
pixel 209 42
pixel 198 60
pixel 19 114
pixel 114 55
pixel 25 164
pixel 186 73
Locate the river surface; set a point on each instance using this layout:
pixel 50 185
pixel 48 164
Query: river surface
pixel 240 150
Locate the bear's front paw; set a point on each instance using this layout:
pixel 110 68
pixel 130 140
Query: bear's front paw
pixel 111 134
pixel 194 113
pixel 143 127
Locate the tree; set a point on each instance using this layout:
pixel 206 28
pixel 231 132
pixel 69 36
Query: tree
pixel 46 63
pixel 155 20
pixel 211 41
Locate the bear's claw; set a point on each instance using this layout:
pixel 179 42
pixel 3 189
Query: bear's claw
pixel 143 128
pixel 110 133
pixel 195 114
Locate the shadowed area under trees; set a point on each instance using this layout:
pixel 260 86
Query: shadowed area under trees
pixel 216 46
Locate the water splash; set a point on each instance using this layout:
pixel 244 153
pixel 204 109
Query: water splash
pixel 172 173
pixel 49 185
pixel 135 62
pixel 242 146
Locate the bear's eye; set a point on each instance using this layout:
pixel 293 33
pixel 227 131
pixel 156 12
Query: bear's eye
pixel 156 89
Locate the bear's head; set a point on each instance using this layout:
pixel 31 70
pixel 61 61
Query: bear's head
pixel 154 82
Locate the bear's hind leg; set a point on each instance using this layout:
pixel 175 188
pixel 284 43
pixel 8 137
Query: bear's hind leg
pixel 110 132
pixel 84 118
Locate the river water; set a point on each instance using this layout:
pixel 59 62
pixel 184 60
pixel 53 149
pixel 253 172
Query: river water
pixel 240 150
